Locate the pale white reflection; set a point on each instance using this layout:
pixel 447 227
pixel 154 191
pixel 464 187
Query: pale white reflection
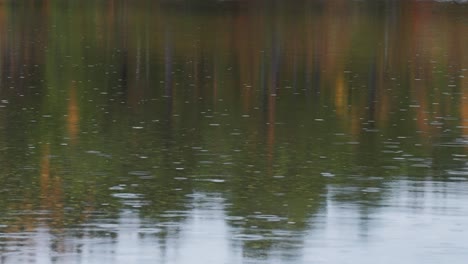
pixel 418 222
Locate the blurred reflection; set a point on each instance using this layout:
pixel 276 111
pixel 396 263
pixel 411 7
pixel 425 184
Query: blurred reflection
pixel 249 130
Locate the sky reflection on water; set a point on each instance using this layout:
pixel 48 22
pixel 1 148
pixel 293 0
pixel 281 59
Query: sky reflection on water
pixel 241 132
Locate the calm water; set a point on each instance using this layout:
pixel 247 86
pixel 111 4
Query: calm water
pixel 233 132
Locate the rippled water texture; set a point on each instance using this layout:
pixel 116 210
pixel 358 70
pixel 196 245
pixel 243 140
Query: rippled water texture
pixel 233 131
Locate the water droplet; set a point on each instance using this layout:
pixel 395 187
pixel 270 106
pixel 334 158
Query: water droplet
pixel 327 174
pixel 246 237
pixel 127 195
pixel 149 231
pixel 116 188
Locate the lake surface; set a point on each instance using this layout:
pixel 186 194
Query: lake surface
pixel 233 132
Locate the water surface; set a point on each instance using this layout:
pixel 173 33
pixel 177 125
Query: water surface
pixel 233 132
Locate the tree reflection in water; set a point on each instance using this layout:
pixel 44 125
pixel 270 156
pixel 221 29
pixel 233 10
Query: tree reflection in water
pixel 141 124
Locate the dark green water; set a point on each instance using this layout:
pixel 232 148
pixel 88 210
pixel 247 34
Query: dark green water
pixel 233 132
